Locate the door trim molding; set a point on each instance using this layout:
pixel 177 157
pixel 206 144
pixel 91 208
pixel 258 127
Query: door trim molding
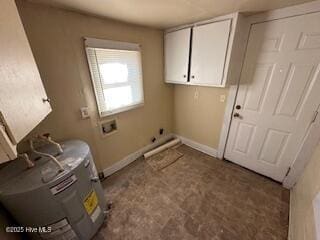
pixel 232 95
pixel 310 142
pixel 292 11
pixel 311 139
pixel 234 75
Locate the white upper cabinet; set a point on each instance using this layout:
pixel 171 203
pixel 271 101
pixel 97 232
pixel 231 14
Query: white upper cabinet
pixel 176 50
pixel 209 50
pixel 206 51
pixel 23 100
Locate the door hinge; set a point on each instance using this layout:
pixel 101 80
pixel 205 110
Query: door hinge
pixel 289 169
pixel 315 115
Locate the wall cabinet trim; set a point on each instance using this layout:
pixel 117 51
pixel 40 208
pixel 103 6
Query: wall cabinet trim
pixel 224 69
pixel 23 99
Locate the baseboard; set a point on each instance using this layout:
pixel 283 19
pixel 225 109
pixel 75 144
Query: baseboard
pixel 134 156
pixel 198 146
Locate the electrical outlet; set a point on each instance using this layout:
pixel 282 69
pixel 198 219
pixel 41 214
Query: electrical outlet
pixel 84 112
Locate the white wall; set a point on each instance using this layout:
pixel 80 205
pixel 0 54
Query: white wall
pixel 302 224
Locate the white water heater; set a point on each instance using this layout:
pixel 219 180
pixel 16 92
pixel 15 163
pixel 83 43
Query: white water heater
pixel 50 204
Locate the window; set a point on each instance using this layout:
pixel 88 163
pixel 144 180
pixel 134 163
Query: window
pixel 116 74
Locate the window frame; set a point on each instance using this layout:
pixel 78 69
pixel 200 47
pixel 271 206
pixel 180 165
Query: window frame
pixel 112 45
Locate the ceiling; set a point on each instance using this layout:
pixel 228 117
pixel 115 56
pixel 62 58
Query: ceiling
pixel 166 13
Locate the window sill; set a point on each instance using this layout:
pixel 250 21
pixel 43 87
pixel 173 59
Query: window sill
pixel 124 109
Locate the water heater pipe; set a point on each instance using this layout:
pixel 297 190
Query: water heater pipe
pixel 61 169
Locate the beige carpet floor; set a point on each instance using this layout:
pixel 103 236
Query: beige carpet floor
pixel 196 197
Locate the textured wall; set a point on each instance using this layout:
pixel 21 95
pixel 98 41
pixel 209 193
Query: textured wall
pixel 302 225
pixel 199 118
pixel 56 40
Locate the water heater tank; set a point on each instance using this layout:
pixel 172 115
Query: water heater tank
pixel 52 205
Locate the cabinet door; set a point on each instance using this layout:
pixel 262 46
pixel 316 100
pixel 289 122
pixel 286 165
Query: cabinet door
pixel 177 47
pixel 21 92
pixel 209 50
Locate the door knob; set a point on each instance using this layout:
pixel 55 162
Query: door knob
pixel 236 115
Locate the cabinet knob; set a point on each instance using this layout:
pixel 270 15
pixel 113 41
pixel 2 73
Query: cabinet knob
pixel 46 100
pixel 184 76
pixel 192 76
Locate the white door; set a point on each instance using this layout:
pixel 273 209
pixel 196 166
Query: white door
pixel 278 96
pixel 176 52
pixel 209 50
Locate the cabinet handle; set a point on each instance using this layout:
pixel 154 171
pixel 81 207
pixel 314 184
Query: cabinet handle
pixel 192 76
pixel 184 76
pixel 46 100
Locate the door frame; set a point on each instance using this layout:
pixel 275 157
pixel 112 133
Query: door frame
pixel 312 137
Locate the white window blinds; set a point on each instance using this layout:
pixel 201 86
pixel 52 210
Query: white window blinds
pixel 116 74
